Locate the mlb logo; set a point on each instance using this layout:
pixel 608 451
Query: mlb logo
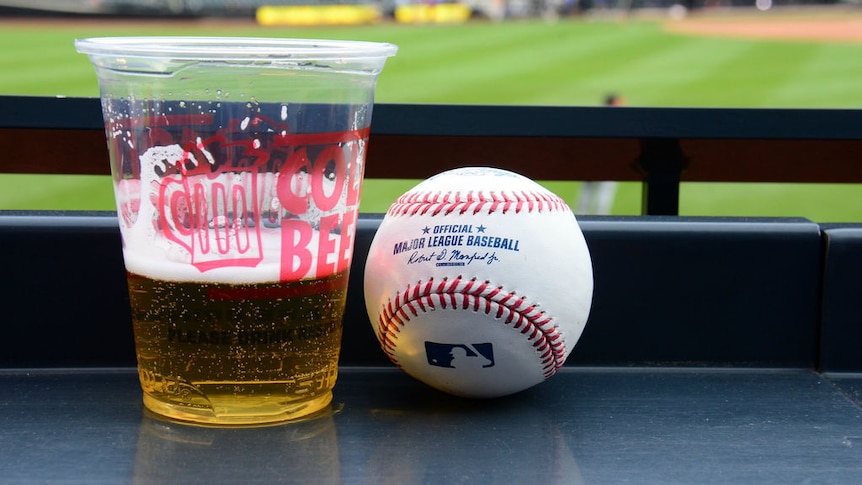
pixel 460 356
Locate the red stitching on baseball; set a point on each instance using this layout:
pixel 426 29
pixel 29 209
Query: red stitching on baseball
pixel 481 296
pixel 445 203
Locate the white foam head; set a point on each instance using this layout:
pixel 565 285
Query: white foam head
pixel 211 228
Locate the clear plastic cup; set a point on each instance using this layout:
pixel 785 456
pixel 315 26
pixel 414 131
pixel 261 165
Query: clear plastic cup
pixel 237 166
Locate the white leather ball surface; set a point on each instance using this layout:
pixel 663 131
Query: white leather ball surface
pixel 479 282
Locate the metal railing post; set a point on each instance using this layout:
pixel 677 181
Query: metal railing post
pixel 662 162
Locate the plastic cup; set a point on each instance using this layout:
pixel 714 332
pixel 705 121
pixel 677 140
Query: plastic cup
pixel 237 165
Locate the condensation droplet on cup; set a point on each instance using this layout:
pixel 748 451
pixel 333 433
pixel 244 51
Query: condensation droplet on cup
pixel 284 112
pixel 256 143
pixel 182 104
pixel 244 124
pixel 219 93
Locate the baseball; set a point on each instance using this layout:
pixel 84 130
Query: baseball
pixel 478 282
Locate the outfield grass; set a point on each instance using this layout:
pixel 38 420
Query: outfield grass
pixel 572 62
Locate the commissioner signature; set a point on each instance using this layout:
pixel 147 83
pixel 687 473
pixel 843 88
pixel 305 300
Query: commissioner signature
pixel 455 257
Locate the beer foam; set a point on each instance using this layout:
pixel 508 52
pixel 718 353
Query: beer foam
pixel 224 227
pixel 161 259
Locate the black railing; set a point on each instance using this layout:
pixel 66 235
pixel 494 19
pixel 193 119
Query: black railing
pixel 661 147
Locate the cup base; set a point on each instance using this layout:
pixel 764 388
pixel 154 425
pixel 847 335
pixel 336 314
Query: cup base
pixel 251 417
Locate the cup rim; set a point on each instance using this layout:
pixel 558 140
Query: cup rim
pixel 233 48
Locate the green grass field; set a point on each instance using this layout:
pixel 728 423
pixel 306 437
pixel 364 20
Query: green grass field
pixel 571 62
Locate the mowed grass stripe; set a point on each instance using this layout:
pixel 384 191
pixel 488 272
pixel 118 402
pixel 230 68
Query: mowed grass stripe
pixel 830 78
pixel 466 63
pixel 746 78
pixel 655 71
pixel 49 66
pixel 555 74
pixel 54 192
pixel 535 65
pixel 772 66
pixel 817 202
pixel 44 61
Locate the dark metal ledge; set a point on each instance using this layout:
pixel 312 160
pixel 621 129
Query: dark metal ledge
pixel 587 425
pixel 668 290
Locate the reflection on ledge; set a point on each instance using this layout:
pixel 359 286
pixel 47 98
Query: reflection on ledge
pixel 305 451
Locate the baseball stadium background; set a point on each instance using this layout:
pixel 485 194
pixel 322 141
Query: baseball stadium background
pixel 704 53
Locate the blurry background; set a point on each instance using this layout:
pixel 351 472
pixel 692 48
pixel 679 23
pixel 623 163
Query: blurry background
pixel 713 53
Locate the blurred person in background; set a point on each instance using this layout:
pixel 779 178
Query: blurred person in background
pixel 597 197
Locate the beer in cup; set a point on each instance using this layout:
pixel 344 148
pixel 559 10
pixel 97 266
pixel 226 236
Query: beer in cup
pixel 237 166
